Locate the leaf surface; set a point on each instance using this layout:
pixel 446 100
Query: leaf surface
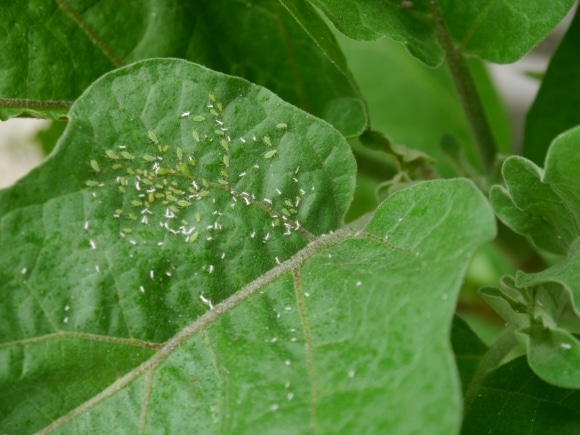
pixel 234 313
pixel 521 403
pixel 482 27
pixel 65 45
pixel 543 205
pixel 557 104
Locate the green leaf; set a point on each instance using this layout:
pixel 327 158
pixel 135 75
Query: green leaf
pixel 544 205
pixel 544 307
pixel 557 104
pixel 520 403
pixel 468 349
pixel 481 28
pixel 403 95
pixel 178 333
pixel 259 41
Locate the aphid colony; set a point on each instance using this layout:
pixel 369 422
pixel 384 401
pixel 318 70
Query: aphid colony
pixel 161 183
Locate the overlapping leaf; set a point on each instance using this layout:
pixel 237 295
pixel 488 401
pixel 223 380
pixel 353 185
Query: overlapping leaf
pixel 557 104
pixel 177 278
pixel 62 46
pixel 520 402
pixel 481 27
pixel 545 207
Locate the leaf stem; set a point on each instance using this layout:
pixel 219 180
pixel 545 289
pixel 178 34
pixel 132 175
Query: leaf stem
pixel 496 353
pixel 467 91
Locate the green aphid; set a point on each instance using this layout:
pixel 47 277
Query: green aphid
pixel 174 183
pixel 132 217
pixel 195 135
pixel 127 155
pixel 286 212
pixel 270 154
pixel 95 166
pixel 171 198
pixel 222 181
pixel 130 171
pixel 226 161
pixel 127 230
pixel 112 154
pixel 151 198
pixel 281 126
pixel 118 212
pixel 92 183
pixel 204 182
pixel 123 181
pixel 139 171
pixel 203 193
pixel 214 112
pixel 194 237
pixel 219 132
pixel 152 136
pixel 162 171
pixel 225 145
pixel 122 189
pixel 183 203
pixel 159 195
pixel 199 118
pixel 149 158
pixel 163 149
pixel 276 223
pixel 267 140
pixel 136 203
pixel 225 174
pixel 184 169
pixel 174 209
pixel 191 161
pixel 198 217
pixel 179 153
pixel 117 166
pixel 146 181
pixel 288 203
pixel 293 211
pixel 184 222
pixel 212 97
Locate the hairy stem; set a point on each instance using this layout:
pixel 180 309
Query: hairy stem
pixel 497 352
pixel 468 94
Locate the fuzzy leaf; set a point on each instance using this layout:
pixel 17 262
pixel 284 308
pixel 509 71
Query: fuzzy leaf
pixel 544 205
pixel 544 307
pixel 185 321
pixel 65 45
pixel 480 27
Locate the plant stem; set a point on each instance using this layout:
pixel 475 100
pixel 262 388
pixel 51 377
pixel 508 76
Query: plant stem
pixel 467 91
pixel 496 353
